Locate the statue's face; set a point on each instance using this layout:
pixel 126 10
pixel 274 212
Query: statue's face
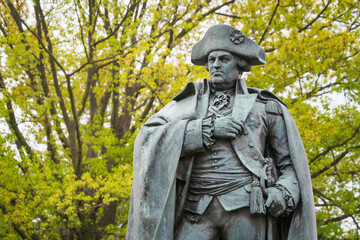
pixel 223 70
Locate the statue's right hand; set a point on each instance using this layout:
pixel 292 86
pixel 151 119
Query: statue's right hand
pixel 227 127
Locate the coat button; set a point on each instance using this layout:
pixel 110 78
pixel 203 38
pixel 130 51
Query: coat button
pixel 251 145
pixel 256 157
pixel 295 182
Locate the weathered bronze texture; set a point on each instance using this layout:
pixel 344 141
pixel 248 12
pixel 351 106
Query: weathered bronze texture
pixel 222 161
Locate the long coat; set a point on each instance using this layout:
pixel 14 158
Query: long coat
pixel 157 151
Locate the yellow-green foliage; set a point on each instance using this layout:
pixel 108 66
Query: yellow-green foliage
pixel 79 78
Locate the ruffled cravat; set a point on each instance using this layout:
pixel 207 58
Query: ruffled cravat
pixel 220 106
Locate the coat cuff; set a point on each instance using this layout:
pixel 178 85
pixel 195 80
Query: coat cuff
pixel 207 131
pixel 291 186
pixel 193 141
pixel 290 205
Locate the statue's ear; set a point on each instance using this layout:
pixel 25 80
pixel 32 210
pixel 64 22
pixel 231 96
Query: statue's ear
pixel 189 90
pixel 206 66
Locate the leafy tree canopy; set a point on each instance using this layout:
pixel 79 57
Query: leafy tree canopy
pixel 79 78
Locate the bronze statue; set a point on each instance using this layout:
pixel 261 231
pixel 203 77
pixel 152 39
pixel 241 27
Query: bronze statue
pixel 222 160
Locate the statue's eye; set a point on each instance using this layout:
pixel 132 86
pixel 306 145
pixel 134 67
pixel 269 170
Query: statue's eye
pixel 211 60
pixel 225 59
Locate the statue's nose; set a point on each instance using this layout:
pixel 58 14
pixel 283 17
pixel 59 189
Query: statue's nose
pixel 216 63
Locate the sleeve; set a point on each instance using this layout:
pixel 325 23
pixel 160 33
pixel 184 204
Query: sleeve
pixel 198 134
pixel 279 149
pixel 193 141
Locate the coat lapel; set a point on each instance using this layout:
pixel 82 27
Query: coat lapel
pixel 203 102
pixel 243 103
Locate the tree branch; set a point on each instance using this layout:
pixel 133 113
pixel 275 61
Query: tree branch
pixel 269 23
pixel 323 153
pixel 145 112
pixel 228 15
pixel 81 33
pixel 337 219
pixel 130 9
pixel 37 37
pixel 336 161
pixel 316 18
pixel 11 121
pixel 73 127
pixel 213 10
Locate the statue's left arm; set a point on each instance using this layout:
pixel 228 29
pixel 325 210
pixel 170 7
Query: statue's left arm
pixel 286 186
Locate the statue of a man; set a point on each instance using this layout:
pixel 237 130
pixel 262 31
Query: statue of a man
pixel 222 161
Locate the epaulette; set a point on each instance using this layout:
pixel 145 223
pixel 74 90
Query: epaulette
pixel 266 95
pixel 273 107
pixel 190 89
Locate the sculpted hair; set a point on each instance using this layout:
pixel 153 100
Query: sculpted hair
pixel 243 65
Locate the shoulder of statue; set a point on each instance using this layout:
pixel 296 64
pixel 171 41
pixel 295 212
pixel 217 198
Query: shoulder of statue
pixel 189 90
pixel 271 101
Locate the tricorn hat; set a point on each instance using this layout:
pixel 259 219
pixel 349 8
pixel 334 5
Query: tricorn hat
pixel 226 38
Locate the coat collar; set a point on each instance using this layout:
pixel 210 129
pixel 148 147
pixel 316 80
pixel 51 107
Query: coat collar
pixel 243 102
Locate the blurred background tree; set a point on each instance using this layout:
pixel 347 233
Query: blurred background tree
pixel 79 78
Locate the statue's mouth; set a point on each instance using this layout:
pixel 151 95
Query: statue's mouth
pixel 217 73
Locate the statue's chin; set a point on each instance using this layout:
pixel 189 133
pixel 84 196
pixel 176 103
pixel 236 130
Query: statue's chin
pixel 219 84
